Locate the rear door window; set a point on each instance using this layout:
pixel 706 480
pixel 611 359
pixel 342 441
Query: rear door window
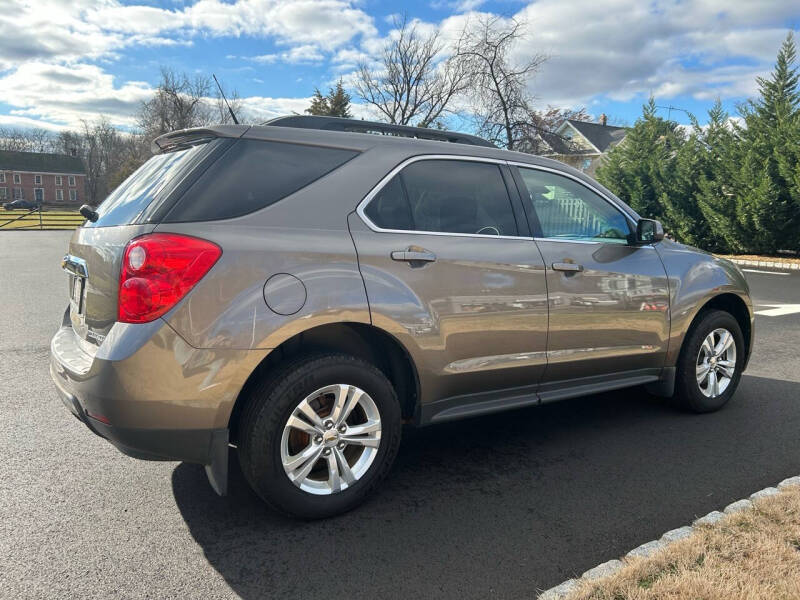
pixel 254 174
pixel 445 196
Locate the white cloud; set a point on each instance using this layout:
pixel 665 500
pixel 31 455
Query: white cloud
pixel 63 95
pixel 624 48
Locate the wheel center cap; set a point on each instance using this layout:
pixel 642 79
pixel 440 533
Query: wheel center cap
pixel 330 437
pixel 713 360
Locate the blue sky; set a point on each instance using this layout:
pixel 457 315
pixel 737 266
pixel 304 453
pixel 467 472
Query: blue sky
pixel 78 59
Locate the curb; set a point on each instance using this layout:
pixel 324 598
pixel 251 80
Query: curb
pixel 770 264
pixel 609 568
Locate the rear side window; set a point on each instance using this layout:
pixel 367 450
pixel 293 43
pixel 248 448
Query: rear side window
pixel 445 196
pixel 152 181
pixel 253 174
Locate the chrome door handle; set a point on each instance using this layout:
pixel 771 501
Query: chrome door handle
pixel 413 255
pixel 569 267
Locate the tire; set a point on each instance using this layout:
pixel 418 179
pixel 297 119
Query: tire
pixel 268 445
pixel 699 396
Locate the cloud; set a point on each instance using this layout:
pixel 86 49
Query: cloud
pixel 63 95
pixel 305 54
pixel 621 49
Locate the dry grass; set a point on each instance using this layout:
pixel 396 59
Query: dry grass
pixel 778 259
pixel 752 554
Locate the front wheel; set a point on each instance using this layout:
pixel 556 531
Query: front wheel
pixel 711 363
pixel 319 435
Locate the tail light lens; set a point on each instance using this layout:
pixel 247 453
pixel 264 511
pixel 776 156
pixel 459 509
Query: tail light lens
pixel 158 270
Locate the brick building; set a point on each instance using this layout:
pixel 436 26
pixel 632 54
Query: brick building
pixel 55 179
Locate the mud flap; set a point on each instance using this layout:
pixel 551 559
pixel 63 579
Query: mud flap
pixel 217 471
pixel 664 387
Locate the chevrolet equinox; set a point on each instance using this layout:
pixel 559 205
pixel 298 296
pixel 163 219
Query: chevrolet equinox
pixel 298 290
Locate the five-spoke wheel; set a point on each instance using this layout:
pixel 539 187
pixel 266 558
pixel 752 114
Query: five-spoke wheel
pixel 319 433
pixel 716 362
pixel 331 439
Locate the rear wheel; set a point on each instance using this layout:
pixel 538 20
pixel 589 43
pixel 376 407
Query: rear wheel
pixel 318 436
pixel 711 362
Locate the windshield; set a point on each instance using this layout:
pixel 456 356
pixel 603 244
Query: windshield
pixel 154 179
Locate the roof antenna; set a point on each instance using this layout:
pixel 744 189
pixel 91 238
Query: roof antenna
pixel 230 110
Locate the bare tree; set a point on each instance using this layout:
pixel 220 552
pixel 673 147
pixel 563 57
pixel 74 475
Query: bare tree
pixel 26 140
pixel 503 104
pixel 413 82
pixel 221 114
pixel 179 102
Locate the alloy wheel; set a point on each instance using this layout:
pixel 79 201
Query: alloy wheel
pixel 716 363
pixel 331 439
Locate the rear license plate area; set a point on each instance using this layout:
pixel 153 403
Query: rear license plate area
pixel 76 296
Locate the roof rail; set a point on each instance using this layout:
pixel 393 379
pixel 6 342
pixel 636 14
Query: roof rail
pixel 359 126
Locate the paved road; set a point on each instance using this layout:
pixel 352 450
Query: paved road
pixel 495 507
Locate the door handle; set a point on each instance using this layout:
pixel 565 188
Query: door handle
pixel 569 267
pixel 413 255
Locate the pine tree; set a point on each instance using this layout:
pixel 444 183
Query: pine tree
pixel 767 183
pixel 335 104
pixel 655 171
pixel 339 102
pixel 319 104
pixel 715 195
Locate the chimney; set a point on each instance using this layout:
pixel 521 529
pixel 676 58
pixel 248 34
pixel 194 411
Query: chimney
pixel 603 119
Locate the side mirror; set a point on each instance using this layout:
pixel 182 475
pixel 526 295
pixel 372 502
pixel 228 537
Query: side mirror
pixel 649 231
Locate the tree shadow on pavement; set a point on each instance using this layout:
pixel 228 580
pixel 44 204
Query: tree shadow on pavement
pixel 506 504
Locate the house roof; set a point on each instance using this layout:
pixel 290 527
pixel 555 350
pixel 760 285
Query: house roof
pixel 40 162
pixel 600 136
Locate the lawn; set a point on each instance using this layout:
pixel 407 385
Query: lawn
pixel 50 219
pixel 754 553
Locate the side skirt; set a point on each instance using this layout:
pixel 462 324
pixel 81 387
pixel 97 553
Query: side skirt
pixel 473 405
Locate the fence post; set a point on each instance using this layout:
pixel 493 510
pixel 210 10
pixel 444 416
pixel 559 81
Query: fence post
pixel 40 217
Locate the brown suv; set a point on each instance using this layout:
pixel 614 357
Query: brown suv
pixel 299 290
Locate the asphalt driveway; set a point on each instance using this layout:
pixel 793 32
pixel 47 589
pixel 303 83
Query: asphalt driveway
pixel 495 507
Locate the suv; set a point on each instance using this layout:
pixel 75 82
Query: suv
pixel 299 290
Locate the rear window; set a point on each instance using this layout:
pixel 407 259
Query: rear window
pixel 153 180
pixel 253 174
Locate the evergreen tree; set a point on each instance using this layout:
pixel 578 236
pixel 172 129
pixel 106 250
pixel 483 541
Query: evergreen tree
pixel 655 171
pixel 767 182
pixel 339 102
pixel 715 195
pixel 319 104
pixel 335 104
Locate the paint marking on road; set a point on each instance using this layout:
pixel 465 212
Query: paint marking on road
pixel 766 272
pixel 779 310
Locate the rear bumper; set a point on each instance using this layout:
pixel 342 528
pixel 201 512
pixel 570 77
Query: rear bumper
pixel 149 393
pixel 190 445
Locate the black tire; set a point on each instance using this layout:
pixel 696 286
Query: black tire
pixel 269 406
pixel 688 393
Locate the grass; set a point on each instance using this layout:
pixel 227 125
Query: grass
pixel 748 555
pixel 778 259
pixel 51 219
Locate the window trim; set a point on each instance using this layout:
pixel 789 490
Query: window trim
pixel 386 179
pixel 75 194
pixel 37 180
pixel 59 180
pixel 2 177
pixel 59 195
pixel 34 194
pixel 17 179
pixel 71 180
pixel 4 194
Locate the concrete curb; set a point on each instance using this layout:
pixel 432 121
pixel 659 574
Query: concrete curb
pixel 769 264
pixel 649 548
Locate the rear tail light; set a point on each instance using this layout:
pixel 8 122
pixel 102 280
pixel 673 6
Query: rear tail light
pixel 158 270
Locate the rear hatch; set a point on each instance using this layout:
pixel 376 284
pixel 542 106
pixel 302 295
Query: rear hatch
pixel 133 209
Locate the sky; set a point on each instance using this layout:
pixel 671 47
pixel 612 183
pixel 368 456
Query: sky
pixel 62 61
